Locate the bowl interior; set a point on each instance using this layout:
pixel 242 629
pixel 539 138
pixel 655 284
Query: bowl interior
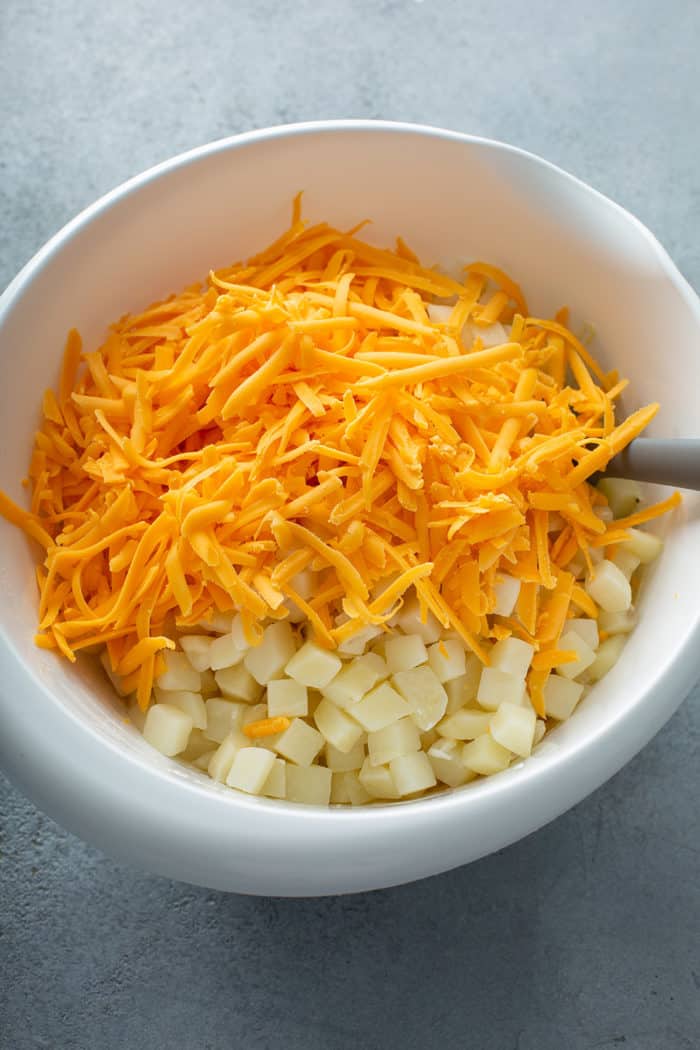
pixel 453 200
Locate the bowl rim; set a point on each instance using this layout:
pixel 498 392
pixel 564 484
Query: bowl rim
pixel 677 669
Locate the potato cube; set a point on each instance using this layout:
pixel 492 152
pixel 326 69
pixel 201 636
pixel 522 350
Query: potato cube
pixel 222 759
pixel 356 644
pixel 513 727
pixel 380 707
pixel 404 651
pixel 445 757
pixel 309 784
pixel 410 621
pixel 507 591
pixel 355 679
pixel 540 730
pixel 238 683
pixel 644 545
pixel 561 696
pixel 222 716
pixel 377 781
pixel 497 687
pixel 218 622
pixel 340 796
pixel 466 724
pixel 346 761
pixel 399 738
pixel 463 690
pixel 586 629
pixel 202 762
pixel 167 729
pixel 223 652
pixel 572 640
pixel 412 773
pixel 287 697
pixel 197 745
pixel 299 743
pixel 268 659
pixel 626 561
pixel 276 784
pixel 179 673
pixel 313 666
pixel 622 495
pixel 424 694
pixel 447 659
pixel 196 648
pixel 209 685
pixel 250 769
pixel 618 622
pixel 607 656
pixel 191 703
pixel 512 656
pixel 337 727
pixel 609 587
pixel 485 756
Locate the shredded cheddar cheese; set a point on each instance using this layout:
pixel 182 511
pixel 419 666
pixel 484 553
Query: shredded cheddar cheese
pixel 303 409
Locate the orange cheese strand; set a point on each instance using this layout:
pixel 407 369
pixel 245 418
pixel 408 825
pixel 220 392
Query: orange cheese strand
pixel 303 410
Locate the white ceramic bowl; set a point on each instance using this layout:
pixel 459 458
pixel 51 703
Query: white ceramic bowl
pixel 62 738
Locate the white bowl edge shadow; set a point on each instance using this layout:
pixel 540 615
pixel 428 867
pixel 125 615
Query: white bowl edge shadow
pixel 80 764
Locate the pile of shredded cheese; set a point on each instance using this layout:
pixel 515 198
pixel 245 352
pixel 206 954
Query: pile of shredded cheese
pixel 303 410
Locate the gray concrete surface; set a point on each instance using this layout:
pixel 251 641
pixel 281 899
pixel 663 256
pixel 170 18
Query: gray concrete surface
pixel 583 936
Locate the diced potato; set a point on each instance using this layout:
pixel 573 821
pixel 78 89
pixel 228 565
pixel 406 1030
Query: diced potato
pixel 254 713
pixel 238 683
pixel 287 697
pixel 586 629
pixel 447 659
pixel 197 649
pixel 609 587
pixel 490 334
pixel 513 727
pixel 222 759
pixel 197 745
pixel 377 781
pixel 268 659
pixel 356 644
pixel 404 651
pixel 355 679
pixel 466 724
pixel 276 784
pixel 461 691
pixel 485 756
pixel 507 591
pixel 191 703
pixel 179 673
pixel 424 694
pixel 400 738
pixel 218 622
pixel 410 622
pixel 412 773
pixel 380 707
pixel 626 562
pixel 340 796
pixel 607 657
pixel 497 687
pixel 439 313
pixel 239 635
pixel 203 760
pixel 346 761
pixel 167 728
pixel 428 738
pixel 136 716
pixel 299 743
pixel 622 495
pixel 309 784
pixel 223 652
pixel 571 639
pixel 359 795
pixel 618 622
pixel 222 717
pixel 512 656
pixel 313 666
pixel 338 728
pixel 540 730
pixel 644 545
pixel 561 696
pixel 250 769
pixel 445 757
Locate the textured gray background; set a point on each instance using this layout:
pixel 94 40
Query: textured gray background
pixel 583 936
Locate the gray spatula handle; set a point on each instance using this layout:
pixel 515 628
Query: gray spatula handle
pixel 665 461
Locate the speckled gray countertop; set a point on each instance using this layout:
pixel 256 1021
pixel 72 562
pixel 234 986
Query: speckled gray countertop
pixel 585 935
